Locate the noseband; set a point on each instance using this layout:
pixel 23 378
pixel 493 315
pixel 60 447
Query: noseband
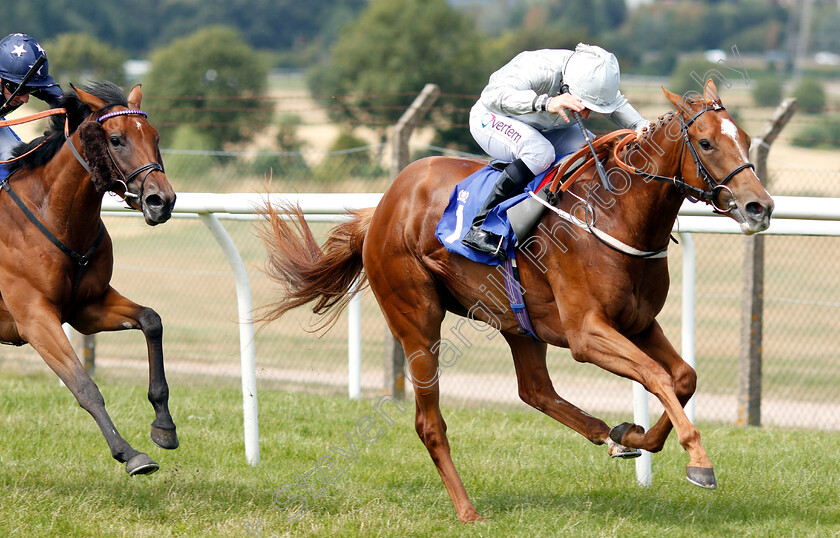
pixel 714 186
pixel 148 168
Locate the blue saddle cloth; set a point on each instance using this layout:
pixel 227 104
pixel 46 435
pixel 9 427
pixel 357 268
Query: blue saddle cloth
pixel 465 202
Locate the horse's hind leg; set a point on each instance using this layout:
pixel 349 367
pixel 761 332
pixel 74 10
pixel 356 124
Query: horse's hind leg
pixel 116 313
pixel 429 421
pixel 414 314
pixel 537 390
pixel 49 340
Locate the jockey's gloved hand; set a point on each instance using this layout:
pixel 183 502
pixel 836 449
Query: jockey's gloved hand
pixel 560 103
pixel 640 129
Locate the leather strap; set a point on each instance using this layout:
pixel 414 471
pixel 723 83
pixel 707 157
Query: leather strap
pixel 599 145
pixel 33 117
pixel 80 259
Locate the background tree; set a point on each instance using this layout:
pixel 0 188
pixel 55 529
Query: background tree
pixel 381 62
pixel 81 58
pixel 810 95
pixel 767 91
pixel 689 75
pixel 222 78
pixel 138 27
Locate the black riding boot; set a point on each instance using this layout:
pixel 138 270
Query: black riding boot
pixel 515 176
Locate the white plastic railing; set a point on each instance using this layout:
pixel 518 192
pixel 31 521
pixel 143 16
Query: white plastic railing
pixel 792 216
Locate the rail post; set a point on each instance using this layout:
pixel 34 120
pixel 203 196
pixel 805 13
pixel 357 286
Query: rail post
pixel 394 356
pixel 752 287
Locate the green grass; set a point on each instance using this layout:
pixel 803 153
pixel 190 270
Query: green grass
pixel 527 474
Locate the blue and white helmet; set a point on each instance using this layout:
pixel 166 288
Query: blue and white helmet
pixel 18 53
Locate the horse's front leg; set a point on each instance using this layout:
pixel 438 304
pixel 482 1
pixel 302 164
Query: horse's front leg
pixel 656 345
pixel 116 313
pixel 537 390
pixel 41 327
pixel 599 343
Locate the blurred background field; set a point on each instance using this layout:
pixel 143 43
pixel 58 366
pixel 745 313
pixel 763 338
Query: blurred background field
pixel 252 101
pixel 292 97
pixel 179 270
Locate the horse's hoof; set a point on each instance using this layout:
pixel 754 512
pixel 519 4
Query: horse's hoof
pixel 167 439
pixel 701 476
pixel 141 464
pixel 617 450
pixel 618 432
pixel 472 517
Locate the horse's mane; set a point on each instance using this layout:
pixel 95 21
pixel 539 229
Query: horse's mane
pixel 661 121
pixel 654 127
pixel 53 137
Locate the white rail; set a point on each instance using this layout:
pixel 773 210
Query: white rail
pixel 792 216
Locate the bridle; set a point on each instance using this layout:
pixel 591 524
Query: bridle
pixel 693 193
pixel 148 168
pixel 81 260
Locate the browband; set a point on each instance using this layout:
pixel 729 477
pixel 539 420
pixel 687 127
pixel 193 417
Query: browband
pixel 128 112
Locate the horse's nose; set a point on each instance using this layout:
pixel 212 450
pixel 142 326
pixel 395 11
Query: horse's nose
pixel 757 215
pixel 158 208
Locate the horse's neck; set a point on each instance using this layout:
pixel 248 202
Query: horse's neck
pixel 648 207
pixel 71 201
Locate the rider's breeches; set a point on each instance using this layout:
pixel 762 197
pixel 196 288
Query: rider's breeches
pixel 508 139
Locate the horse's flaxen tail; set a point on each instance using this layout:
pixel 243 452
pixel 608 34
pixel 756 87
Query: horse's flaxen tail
pixel 308 272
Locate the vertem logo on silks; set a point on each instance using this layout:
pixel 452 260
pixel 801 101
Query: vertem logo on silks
pixel 505 128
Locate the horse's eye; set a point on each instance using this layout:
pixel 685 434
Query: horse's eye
pixel 115 140
pixel 705 144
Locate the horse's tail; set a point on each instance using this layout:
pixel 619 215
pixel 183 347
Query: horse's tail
pixel 308 272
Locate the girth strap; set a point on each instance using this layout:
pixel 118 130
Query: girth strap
pixel 517 302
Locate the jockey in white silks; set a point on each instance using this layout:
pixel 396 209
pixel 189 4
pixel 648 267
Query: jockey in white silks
pixel 522 118
pixel 18 53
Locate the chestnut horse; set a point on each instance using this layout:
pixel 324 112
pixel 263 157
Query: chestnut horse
pixel 598 301
pixel 57 257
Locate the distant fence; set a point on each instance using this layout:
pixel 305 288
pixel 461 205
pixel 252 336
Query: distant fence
pixel 179 269
pixel 793 216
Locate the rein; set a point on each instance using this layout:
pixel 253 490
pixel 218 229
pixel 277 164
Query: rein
pixel 562 170
pixel 694 194
pixel 27 119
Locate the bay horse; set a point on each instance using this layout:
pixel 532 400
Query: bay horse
pixel 598 301
pixel 58 258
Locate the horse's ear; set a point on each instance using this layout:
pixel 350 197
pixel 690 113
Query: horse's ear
pixel 102 171
pixel 94 103
pixel 134 97
pixel 676 100
pixel 710 92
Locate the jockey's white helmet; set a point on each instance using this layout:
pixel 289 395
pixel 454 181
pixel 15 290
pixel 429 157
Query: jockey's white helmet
pixel 593 76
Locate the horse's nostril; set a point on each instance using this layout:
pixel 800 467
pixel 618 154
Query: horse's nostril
pixel 153 200
pixel 755 210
